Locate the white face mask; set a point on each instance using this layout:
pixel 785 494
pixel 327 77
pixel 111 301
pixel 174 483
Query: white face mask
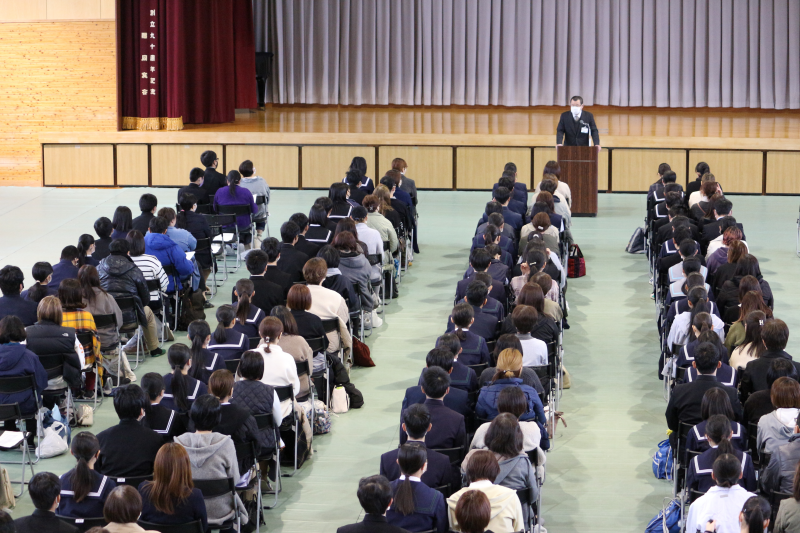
pixel 575 110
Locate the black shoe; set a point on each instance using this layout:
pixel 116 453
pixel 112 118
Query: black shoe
pixel 157 352
pixel 207 305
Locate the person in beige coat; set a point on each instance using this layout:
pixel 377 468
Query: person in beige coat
pixel 295 345
pixel 377 221
pixel 327 304
pixel 122 509
pixel 506 514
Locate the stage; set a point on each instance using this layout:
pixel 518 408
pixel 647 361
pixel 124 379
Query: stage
pixel 749 151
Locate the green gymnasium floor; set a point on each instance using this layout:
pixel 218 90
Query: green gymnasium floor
pixel 599 476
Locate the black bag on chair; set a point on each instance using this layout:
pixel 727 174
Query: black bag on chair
pixel 191 308
pixel 287 454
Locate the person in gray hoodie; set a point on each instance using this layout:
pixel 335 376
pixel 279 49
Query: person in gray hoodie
pixel 213 456
pixel 776 428
pixel 779 473
pixel 258 186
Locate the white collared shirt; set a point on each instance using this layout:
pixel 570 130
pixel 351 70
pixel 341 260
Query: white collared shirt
pixel 720 504
pixel 412 478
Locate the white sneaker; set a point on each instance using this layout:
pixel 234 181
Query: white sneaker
pixel 376 320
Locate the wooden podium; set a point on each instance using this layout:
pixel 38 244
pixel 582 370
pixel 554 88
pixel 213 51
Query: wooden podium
pixel 579 165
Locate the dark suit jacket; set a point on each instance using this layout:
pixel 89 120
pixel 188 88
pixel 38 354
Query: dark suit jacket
pixel 437 474
pixel 711 231
pixel 280 278
pixel 496 291
pixel 119 458
pixel 306 246
pixel 142 222
pixel 485 325
pixel 199 192
pixel 448 429
pixel 213 181
pixel 684 404
pixel 62 270
pixel 372 524
pixel 43 521
pixel 292 262
pixel 23 309
pixel 569 133
pixel 267 294
pixel 755 373
pixel 101 248
pixel 665 232
pixel 456 399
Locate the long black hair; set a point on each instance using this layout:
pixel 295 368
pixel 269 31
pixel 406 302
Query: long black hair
pixel 756 511
pixel 359 165
pixel 152 385
pixel 718 429
pixel 84 447
pixel 225 317
pixel 187 201
pixel 85 242
pixel 40 272
pixel 123 219
pixel 244 289
pixel 233 181
pixel 178 356
pixel 411 458
pixel 198 331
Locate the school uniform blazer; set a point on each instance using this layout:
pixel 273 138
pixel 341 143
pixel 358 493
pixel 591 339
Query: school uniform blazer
pixel 199 192
pixel 699 475
pixel 520 194
pixel 213 181
pixel 234 345
pixel 456 399
pixel 755 373
pixel 696 440
pixel 142 222
pixel 437 474
pixel 711 231
pixel 40 521
pixel 250 326
pixel 62 270
pixel 430 511
pixel 681 305
pixel 166 422
pixel 448 429
pixel 23 309
pixel 725 375
pixel 494 309
pixel 496 291
pixel 507 231
pixel 498 269
pixel 307 247
pixel 372 523
pixel 684 404
pixel 484 326
pixel 474 350
pixel 686 357
pixel 461 377
pixel 196 389
pixel 292 262
pixel 664 232
pixel 278 277
pixel 510 218
pixel 92 505
pixel 119 458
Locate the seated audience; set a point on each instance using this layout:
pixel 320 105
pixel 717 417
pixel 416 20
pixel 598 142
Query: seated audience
pixel 715 402
pixel 168 253
pixel 456 399
pixel 718 435
pixel 49 337
pixel 527 375
pixel 85 249
pixel 122 511
pixel 42 273
pixel 236 195
pixel 99 302
pixel 226 341
pixel 776 428
pixel 723 503
pixel 448 429
pixel 512 400
pixel 474 350
pixel 44 489
pixel 279 367
pixel 122 222
pixel 534 351
pixel 751 347
pixel 84 491
pixel 212 179
pixel 509 366
pixel 248 315
pixel 290 259
pixel 74 316
pixel 103 229
pixel 473 512
pixel 181 389
pixel 355 267
pixel 309 326
pixel 292 343
pixel 204 361
pixel 759 403
pixel 545 328
pixel 479 261
pixel 788 518
pixel 751 302
pixel 303 244
pixel 415 506
pixel 327 305
pixel 235 420
pixel 461 376
pixel 265 294
pixel 728 294
pixel 774 336
pixel 197 226
pixel 166 422
pixel 258 188
pixel 681 332
pixel 148 204
pixel 66 268
pixel 180 236
pixel 195 188
pixel 271 247
pixel 11 303
pixel 375 497
pixel 334 280
pixel 779 474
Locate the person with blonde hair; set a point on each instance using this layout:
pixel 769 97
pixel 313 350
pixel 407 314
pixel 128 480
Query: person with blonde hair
pixel 552 171
pixel 49 337
pixel 507 374
pixel 539 228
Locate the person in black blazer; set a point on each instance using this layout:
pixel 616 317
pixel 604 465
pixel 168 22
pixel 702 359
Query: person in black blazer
pixel 576 125
pixel 291 260
pixel 416 424
pixel 103 228
pixel 236 420
pixel 11 303
pixel 197 225
pixel 119 457
pixel 485 325
pixel 375 496
pixel 45 491
pixel 304 245
pixel 195 188
pixel 714 229
pixel 445 356
pixel 775 335
pixel 267 294
pixel 148 203
pixel 448 429
pixel 166 422
pixel 212 180
pixel 685 402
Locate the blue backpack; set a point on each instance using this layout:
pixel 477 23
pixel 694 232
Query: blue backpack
pixel 662 461
pixel 668 520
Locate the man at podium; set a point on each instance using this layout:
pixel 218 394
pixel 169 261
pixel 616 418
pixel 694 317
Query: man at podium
pixel 576 125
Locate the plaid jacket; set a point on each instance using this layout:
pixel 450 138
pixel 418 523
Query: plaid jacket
pixel 83 322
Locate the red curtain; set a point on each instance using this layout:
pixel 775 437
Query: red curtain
pixel 185 62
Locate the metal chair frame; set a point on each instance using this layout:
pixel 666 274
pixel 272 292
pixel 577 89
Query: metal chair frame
pixel 128 303
pixel 12 385
pixel 266 420
pixel 211 488
pixel 87 338
pixel 284 393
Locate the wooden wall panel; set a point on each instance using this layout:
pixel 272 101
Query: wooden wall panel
pixel 542 155
pixel 22 10
pixel 323 165
pixel 782 172
pixel 73 9
pixel 431 167
pixel 79 164
pixel 736 171
pixel 58 76
pixel 108 9
pixel 170 163
pixel 480 168
pixel 278 165
pixel 132 164
pixel 636 170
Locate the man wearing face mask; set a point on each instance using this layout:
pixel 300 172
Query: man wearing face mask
pixel 576 125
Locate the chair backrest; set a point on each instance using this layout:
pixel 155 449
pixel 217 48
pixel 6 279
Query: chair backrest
pixel 203 245
pixel 680 373
pixel 284 393
pixel 456 455
pixel 239 209
pixel 153 284
pixel 317 344
pixel 86 338
pixel 254 342
pixel 479 368
pixel 53 364
pixel 245 449
pixel 204 209
pixel 264 420
pixel 190 527
pixel 302 368
pixel 132 481
pixel 170 271
pixel 10 411
pixel 83 524
pixel 16 384
pixel 232 365
pixel 533 457
pixel 375 259
pixel 104 321
pixel 330 324
pixel 125 302
pixel 211 488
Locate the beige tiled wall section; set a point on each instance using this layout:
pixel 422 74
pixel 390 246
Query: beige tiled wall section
pixel 56 10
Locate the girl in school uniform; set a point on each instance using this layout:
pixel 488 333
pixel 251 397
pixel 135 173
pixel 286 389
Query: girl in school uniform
pixel 84 490
pixel 415 506
pixel 181 389
pixel 227 342
pixel 204 361
pixel 718 433
pixel 474 350
pixel 248 316
pixel 715 402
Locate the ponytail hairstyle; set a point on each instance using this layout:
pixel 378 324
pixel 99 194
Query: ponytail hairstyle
pixel 462 317
pixel 225 317
pixel 353 178
pixel 245 289
pixel 179 356
pixel 186 201
pixel 490 234
pixel 197 332
pixel 85 242
pixel 536 262
pixel 704 324
pixel 84 447
pixel 709 212
pixel 233 180
pixel 270 331
pixel 753 323
pixel 718 429
pixel 698 297
pixel 152 385
pixel 540 222
pixel 41 271
pixel 757 511
pixel 727 469
pixel 411 458
pixel 509 364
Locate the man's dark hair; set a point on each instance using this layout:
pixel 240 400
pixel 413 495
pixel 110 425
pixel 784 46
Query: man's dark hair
pixel 208 157
pixel 510 167
pixel 450 342
pixel 691 264
pixel 502 194
pixel 681 221
pixel 706 357
pixel 662 168
pixel 687 247
pixel 206 412
pixel 493 207
pixel 678 210
pixel 147 202
pixel 723 206
pixel 119 246
pixel 69 253
pixel 374 494
pixel 330 255
pixel 480 259
pixel 682 233
pixel 669 176
pixel 725 223
pixel 671 196
pixel 417 419
pixel 44 488
pixel 781 368
pixel 272 248
pixel 289 230
pixel 256 262
pixel 435 382
pixel 775 334
pixel 129 400
pixel 496 219
pixel 300 219
pixel 441 358
pixel 578 98
pixel 103 227
pixel 507 181
pixel 11 278
pixel 158 225
pixel 358 213
pixel 476 293
pixel 195 174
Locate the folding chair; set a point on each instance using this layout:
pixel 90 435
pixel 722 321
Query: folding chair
pixel 54 366
pixel 526 499
pixel 190 527
pixel 374 260
pixel 232 365
pixel 533 457
pixel 479 368
pixel 387 266
pixel 170 271
pixel 236 211
pixel 219 238
pixel 264 421
pixel 204 245
pixel 262 200
pixel 303 370
pixel 87 338
pixel 129 304
pixel 317 345
pixel 775 499
pixel 331 325
pixel 83 524
pixel 212 488
pixel 248 449
pixel 105 321
pixel 8 412
pixel 287 393
pixel 155 285
pixel 132 481
pixel 254 342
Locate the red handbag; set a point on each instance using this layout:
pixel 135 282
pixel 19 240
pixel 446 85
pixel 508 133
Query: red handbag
pixel 576 264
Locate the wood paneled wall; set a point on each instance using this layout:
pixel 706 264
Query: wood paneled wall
pixel 57 76
pixel 54 10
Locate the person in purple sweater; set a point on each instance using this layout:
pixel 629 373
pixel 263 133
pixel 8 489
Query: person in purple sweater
pixel 234 194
